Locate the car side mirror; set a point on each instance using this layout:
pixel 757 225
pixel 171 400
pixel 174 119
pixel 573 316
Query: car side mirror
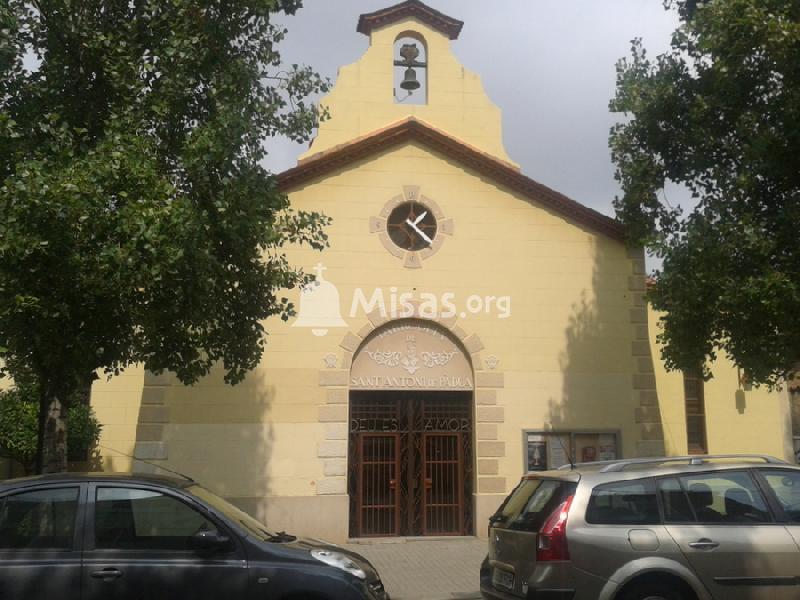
pixel 209 541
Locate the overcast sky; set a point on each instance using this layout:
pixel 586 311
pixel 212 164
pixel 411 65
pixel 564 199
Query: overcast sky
pixel 548 64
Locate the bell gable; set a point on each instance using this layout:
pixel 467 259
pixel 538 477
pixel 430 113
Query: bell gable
pixel 409 70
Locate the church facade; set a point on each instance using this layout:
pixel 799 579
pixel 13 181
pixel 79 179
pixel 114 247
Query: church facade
pixel 467 325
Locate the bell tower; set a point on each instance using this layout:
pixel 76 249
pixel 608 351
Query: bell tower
pixel 410 71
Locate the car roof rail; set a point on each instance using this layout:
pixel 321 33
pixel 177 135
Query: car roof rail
pixel 692 460
pixel 595 464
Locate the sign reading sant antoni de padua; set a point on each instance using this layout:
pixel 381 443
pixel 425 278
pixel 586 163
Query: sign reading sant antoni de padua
pixel 411 355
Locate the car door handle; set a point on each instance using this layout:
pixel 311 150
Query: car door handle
pixel 107 574
pixel 703 544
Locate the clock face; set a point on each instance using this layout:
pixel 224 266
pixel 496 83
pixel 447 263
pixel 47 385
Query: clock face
pixel 412 226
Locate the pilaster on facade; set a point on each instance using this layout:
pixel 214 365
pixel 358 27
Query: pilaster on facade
pixel 332 450
pixel 490 416
pixel 647 412
pixel 154 415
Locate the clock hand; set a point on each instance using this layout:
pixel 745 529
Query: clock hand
pixel 419 218
pixel 421 233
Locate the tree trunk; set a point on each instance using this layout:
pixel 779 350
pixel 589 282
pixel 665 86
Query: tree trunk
pixel 51 447
pixel 83 395
pixel 52 434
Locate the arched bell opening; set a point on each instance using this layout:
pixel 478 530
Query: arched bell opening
pixel 410 69
pixel 411 433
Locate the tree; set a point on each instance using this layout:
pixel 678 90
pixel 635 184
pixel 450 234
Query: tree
pixel 19 423
pixel 136 222
pixel 718 113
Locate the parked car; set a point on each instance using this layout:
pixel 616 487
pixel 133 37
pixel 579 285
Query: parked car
pixel 102 536
pixel 688 528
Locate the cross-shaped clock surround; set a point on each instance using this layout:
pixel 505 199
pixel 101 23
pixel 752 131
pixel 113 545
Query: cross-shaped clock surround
pixel 414 256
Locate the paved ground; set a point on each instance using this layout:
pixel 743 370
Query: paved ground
pixel 426 569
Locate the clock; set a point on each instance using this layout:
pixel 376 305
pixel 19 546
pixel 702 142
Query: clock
pixel 411 227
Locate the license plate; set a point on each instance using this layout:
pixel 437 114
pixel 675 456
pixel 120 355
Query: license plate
pixel 503 579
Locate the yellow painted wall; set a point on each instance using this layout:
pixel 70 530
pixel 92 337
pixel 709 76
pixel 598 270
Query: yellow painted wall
pixel 737 421
pixel 565 350
pixel 116 403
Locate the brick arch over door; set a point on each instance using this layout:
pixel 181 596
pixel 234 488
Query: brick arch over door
pixel 489 413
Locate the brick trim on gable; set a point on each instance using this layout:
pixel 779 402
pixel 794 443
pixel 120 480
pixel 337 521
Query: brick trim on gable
pixel 414 130
pixel 411 9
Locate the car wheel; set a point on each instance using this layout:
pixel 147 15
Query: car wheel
pixel 653 591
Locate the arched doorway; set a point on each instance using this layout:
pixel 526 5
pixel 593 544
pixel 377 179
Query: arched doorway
pixel 410 445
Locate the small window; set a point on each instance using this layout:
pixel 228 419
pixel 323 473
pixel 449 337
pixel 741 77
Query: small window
pixel 725 497
pixel 624 503
pixel 136 519
pixel 529 505
pixel 786 486
pixel 695 413
pixel 44 519
pixel 675 503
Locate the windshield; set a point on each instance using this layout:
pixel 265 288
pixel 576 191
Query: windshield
pixel 229 510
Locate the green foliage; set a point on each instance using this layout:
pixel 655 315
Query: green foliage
pixel 720 114
pixel 84 431
pixel 19 409
pixel 136 221
pixel 18 428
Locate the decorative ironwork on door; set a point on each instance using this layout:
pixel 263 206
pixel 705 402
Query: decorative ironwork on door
pixel 410 463
pixel 443 502
pixel 377 483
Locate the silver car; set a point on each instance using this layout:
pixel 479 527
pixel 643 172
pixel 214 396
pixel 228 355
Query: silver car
pixel 688 528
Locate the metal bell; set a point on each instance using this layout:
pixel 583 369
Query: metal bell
pixel 410 82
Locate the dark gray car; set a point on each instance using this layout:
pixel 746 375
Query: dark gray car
pixel 126 537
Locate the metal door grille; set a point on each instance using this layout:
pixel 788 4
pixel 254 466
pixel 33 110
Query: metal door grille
pixel 410 468
pixel 378 484
pixel 443 472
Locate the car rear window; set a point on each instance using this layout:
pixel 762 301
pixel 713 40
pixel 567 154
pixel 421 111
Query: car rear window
pixel 624 503
pixel 529 505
